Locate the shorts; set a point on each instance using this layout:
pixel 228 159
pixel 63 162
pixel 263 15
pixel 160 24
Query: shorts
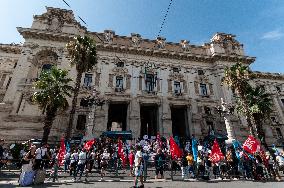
pixel 159 170
pixel 138 171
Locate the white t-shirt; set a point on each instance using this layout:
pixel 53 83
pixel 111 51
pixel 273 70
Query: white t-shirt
pixel 67 156
pixel 137 156
pixel 82 157
pixel 280 160
pixel 74 157
pixel 40 152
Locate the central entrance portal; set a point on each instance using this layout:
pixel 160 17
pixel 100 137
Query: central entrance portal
pixel 179 121
pixel 117 114
pixel 149 120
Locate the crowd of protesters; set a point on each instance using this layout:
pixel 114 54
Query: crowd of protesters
pixel 134 157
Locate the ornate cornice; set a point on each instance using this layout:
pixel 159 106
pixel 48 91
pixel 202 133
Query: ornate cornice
pixel 267 75
pixel 11 48
pixel 45 34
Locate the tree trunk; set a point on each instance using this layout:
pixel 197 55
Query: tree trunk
pixel 74 104
pixel 48 120
pixel 247 114
pixel 261 136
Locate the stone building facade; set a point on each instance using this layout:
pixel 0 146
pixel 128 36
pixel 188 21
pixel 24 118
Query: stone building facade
pixel 149 86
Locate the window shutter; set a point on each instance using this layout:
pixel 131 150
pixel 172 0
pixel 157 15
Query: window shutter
pixel 110 80
pixel 170 89
pixel 97 81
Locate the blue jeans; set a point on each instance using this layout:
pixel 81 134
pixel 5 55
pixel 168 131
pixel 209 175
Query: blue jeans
pixel 66 165
pixel 80 167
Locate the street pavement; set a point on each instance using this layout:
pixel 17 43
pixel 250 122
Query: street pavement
pixel 9 180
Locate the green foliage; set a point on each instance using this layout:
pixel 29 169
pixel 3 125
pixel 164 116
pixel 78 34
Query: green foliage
pixel 83 53
pixel 53 89
pixel 259 101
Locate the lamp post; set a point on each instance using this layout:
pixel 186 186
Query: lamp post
pixel 91 102
pixel 227 110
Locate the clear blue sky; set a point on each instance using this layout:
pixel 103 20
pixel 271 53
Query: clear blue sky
pixel 258 24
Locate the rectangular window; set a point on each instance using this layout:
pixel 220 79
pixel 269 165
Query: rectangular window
pixel 120 64
pixel 282 100
pixel 278 132
pixel 150 82
pixel 177 87
pixel 200 72
pixel 88 80
pixel 278 89
pixel 203 90
pixel 81 122
pixel 273 119
pixel 119 82
pixel 176 70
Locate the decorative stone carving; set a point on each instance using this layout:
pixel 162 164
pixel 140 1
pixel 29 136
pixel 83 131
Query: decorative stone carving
pixel 161 42
pixel 110 80
pixel 119 71
pixel 108 36
pixel 176 76
pixel 135 39
pixel 228 43
pixel 128 79
pixel 97 81
pixel 184 45
pixel 170 85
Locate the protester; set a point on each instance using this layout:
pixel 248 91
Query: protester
pixel 138 167
pixel 160 160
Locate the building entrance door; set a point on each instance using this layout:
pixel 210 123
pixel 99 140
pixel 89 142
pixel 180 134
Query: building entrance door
pixel 149 120
pixel 179 121
pixel 117 115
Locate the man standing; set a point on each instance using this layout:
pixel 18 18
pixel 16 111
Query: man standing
pixel 81 164
pixel 159 163
pixel 138 162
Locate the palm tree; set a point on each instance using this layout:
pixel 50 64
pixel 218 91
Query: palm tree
pixel 53 89
pixel 260 104
pixel 237 78
pixel 83 55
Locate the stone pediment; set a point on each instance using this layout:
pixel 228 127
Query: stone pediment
pixel 54 20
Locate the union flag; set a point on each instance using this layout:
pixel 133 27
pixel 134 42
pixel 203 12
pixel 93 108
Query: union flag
pixel 176 152
pixel 61 152
pixel 251 145
pixel 88 145
pixel 216 155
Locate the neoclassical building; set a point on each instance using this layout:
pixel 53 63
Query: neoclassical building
pixel 149 86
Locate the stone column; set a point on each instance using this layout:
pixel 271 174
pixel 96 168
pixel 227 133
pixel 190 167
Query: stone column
pixel 97 121
pixel 228 123
pixel 134 118
pixel 90 125
pixel 166 121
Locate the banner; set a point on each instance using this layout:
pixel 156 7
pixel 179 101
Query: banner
pixel 216 155
pixel 251 145
pixel 194 148
pixel 238 148
pixel 176 152
pixel 120 153
pixel 61 153
pixel 88 145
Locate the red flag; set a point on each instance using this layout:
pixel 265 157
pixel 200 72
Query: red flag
pixel 176 152
pixel 251 145
pixel 62 152
pixel 121 153
pixel 216 155
pixel 88 145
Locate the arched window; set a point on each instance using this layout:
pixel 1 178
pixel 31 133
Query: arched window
pixel 46 67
